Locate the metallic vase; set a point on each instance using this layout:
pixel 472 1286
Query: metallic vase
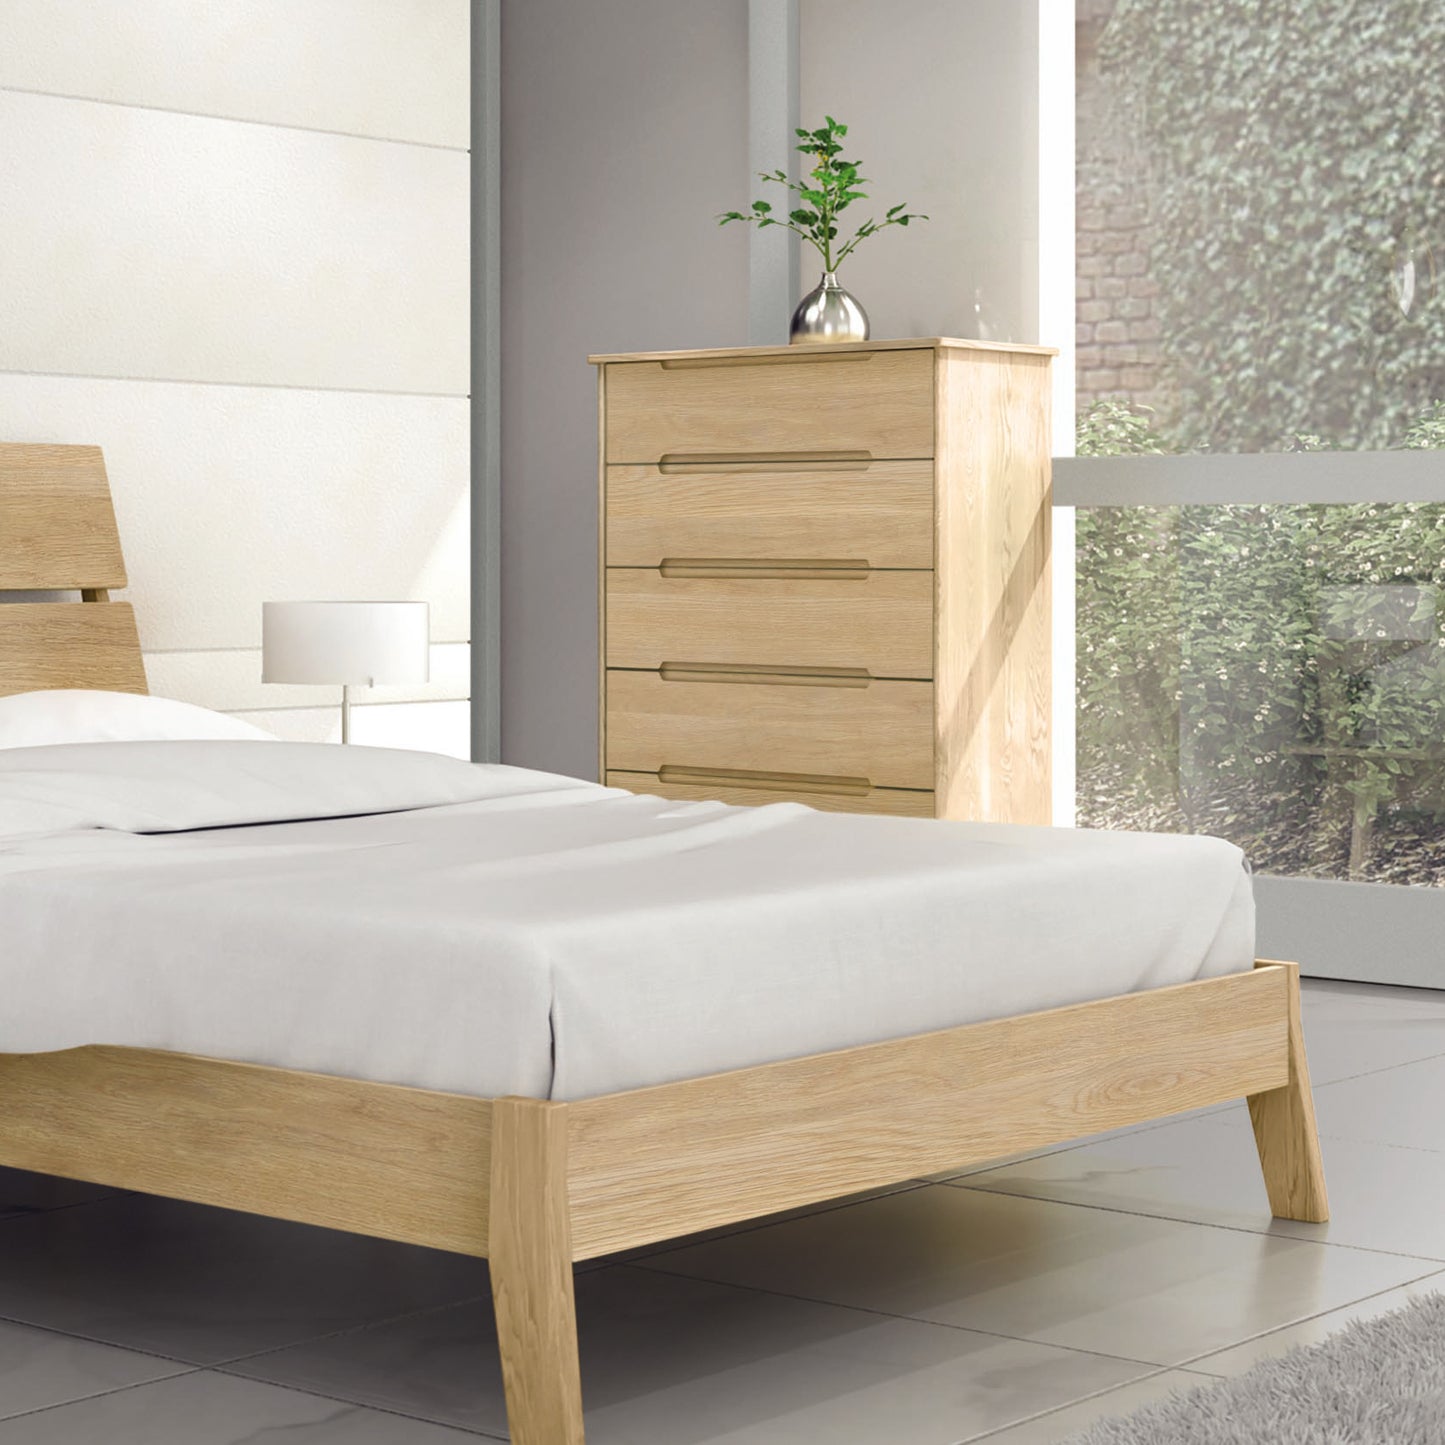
pixel 828 313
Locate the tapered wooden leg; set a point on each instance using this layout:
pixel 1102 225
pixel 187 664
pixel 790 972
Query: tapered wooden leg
pixel 1285 1133
pixel 530 1255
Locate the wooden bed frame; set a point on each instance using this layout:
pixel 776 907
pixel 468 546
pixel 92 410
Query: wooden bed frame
pixel 532 1185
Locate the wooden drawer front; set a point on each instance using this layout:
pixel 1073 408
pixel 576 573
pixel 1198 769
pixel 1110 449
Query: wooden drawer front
pixel 875 512
pixel 859 403
pixel 752 793
pixel 874 736
pixel 879 624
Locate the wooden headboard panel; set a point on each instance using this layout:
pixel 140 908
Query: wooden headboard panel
pixel 58 533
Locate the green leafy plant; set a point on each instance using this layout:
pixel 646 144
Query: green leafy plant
pixel 830 188
pixel 1112 428
pixel 1288 153
pixel 1266 673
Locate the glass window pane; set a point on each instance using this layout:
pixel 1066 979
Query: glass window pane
pixel 1273 675
pixel 1261 220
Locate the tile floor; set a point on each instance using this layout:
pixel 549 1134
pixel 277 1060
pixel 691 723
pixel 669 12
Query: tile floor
pixel 1013 1304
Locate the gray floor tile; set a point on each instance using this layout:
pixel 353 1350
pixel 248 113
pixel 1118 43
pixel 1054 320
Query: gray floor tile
pixel 1351 1028
pixel 203 1285
pixel 22 1192
pixel 40 1368
pixel 1058 1425
pixel 202 1408
pixel 1381 1196
pixel 1144 1289
pixel 1239 1358
pixel 1404 1106
pixel 669 1361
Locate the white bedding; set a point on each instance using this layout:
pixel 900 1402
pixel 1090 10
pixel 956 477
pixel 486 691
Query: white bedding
pixel 489 930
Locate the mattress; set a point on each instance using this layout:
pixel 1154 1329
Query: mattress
pixel 417 920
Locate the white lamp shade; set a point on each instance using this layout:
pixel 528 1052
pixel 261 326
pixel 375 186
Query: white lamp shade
pixel 351 644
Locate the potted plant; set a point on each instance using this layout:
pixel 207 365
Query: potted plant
pixel 828 312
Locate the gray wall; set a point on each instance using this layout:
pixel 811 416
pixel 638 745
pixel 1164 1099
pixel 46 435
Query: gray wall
pixel 624 132
pixel 941 102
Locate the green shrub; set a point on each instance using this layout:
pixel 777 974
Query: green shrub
pixel 1294 154
pixel 1227 654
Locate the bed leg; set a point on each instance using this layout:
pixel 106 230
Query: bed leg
pixel 1285 1133
pixel 530 1256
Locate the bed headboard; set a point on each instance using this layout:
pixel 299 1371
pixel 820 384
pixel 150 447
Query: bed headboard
pixel 58 534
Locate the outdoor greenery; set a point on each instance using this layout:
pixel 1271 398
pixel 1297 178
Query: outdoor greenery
pixel 1273 674
pixel 1296 177
pixel 831 187
pixel 1276 674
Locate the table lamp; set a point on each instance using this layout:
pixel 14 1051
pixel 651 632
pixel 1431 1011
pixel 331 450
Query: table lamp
pixel 345 644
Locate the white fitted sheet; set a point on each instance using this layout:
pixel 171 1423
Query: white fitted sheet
pixel 498 931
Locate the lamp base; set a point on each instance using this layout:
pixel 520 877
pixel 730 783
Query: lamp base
pixel 345 713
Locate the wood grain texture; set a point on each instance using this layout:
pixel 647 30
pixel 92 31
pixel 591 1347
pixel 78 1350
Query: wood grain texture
pixel 880 623
pixel 994 664
pixel 879 512
pixel 1285 1131
pixel 403 1164
pixel 755 793
pixel 880 734
pixel 810 1129
pixel 69 644
pixel 602 532
pixel 725 356
pixel 57 525
pixel 875 404
pixel 531 1269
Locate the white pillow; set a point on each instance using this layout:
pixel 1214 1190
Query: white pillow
pixel 66 715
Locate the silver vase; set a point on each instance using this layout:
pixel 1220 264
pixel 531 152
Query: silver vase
pixel 828 313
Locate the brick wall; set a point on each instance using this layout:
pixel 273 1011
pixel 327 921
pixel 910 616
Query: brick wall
pixel 1116 311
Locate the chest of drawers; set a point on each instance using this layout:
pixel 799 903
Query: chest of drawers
pixel 825 576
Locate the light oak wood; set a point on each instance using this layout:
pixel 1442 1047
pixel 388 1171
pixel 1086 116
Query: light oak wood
pixel 1284 1127
pixel 601 570
pixel 69 644
pixel 744 791
pixel 58 533
pixel 57 525
pixel 815 1128
pixel 741 355
pixel 858 406
pixel 878 623
pixel 535 1184
pixel 879 512
pixel 531 1269
pixel 879 735
pixel 404 1164
pixel 994 667
pixel 744 539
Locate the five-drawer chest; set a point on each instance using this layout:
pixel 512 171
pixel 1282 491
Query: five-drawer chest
pixel 825 576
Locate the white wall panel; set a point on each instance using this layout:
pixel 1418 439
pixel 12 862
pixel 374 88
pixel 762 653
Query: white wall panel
pixel 229 496
pixel 394 68
pixel 144 243
pixel 231 682
pixel 434 727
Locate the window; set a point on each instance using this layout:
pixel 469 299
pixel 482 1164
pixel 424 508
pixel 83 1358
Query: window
pixel 1261 636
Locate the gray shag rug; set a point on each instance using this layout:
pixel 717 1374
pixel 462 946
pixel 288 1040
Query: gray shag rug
pixel 1377 1382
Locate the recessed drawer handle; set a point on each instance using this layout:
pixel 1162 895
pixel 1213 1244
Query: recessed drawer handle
pixel 784 782
pixel 849 461
pixel 797 569
pixel 778 358
pixel 738 672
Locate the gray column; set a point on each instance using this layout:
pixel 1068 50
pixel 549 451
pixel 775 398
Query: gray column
pixel 486 382
pixel 772 119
